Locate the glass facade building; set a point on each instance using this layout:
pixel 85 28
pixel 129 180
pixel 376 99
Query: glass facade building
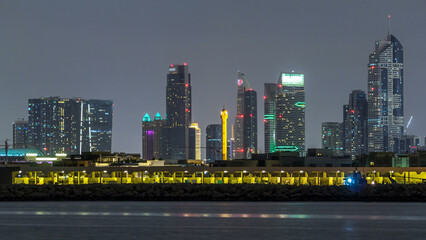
pixel 269 117
pixel 290 113
pixel 385 96
pixel 284 117
pixel 213 142
pixel 355 124
pixel 72 126
pixel 178 113
pixel 245 128
pixel 20 133
pixel 332 137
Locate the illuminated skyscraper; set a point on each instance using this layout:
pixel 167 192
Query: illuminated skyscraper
pixel 290 113
pixel 194 141
pixel 97 125
pixel 178 112
pixel 385 95
pixel 152 137
pixel 332 137
pixel 284 117
pixel 269 118
pixel 20 133
pixel 72 126
pixel 213 142
pixel 246 119
pixel 355 124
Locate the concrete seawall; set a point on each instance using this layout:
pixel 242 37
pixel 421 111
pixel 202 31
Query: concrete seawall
pixel 197 192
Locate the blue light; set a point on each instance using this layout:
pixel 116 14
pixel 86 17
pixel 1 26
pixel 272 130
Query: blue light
pixel 349 181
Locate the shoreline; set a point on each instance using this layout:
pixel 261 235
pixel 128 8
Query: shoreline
pixel 223 192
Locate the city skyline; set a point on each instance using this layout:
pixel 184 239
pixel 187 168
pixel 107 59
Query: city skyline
pixel 68 77
pixel 72 126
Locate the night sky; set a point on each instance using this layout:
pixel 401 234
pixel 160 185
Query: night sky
pixel 121 50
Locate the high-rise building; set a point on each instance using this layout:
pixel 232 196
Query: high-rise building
pixel 290 113
pixel 20 133
pixel 385 95
pixel 332 137
pixel 152 137
pixel 194 141
pixel 355 124
pixel 97 125
pixel 246 119
pixel 213 142
pixel 269 117
pixel 231 151
pixel 178 112
pixel 72 126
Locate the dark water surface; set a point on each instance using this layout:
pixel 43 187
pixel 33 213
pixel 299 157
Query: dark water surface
pixel 212 220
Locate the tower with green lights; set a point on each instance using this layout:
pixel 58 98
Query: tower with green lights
pixel 153 137
pixel 285 113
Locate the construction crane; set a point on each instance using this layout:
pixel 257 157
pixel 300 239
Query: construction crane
pixel 6 148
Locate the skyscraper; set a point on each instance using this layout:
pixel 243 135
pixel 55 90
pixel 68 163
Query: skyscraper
pixel 97 125
pixel 355 124
pixel 290 113
pixel 332 137
pixel 269 117
pixel 385 95
pixel 72 126
pixel 178 112
pixel 213 142
pixel 194 141
pixel 152 137
pixel 20 133
pixel 246 119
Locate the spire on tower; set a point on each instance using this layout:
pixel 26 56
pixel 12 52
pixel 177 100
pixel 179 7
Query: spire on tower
pixel 389 32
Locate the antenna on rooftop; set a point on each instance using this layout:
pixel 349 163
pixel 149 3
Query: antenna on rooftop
pixel 389 22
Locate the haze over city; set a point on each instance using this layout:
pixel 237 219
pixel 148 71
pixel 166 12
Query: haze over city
pixel 122 52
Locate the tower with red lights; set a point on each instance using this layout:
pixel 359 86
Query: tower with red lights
pixel 284 118
pixel 178 113
pixel 385 96
pixel 246 119
pixel 355 124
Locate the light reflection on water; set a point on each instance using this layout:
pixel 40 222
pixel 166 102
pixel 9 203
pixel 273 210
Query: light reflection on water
pixel 217 215
pixel 211 220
